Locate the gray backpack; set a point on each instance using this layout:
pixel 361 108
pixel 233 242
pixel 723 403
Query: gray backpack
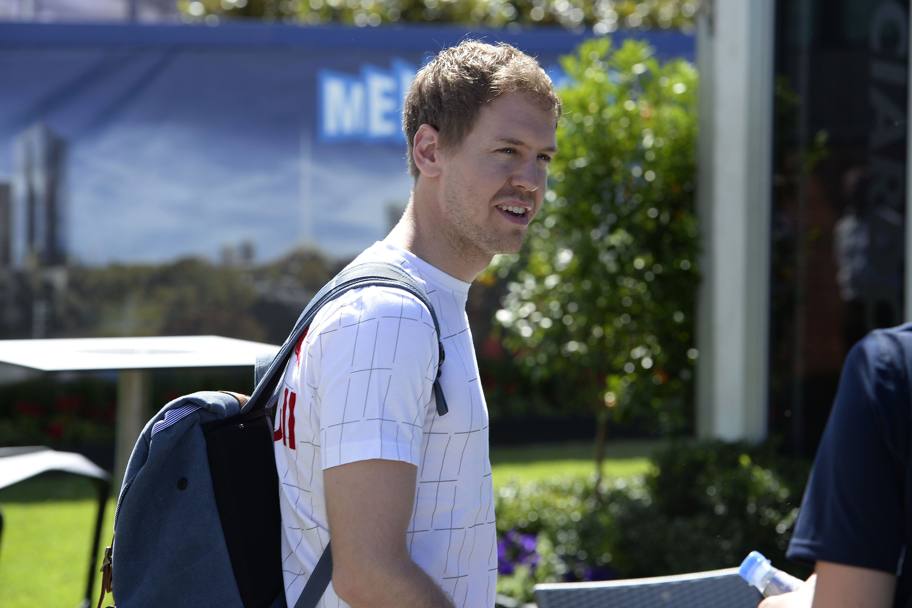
pixel 197 520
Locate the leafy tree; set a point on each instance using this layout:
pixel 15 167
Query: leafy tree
pixel 603 297
pixel 601 15
pixel 193 296
pixel 187 296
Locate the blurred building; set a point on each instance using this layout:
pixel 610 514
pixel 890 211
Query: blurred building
pixel 38 192
pixel 13 306
pixel 33 254
pixel 6 226
pixel 8 291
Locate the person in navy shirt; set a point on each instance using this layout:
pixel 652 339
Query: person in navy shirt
pixel 855 522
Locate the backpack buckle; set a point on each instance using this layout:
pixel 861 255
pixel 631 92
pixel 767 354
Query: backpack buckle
pixel 107 574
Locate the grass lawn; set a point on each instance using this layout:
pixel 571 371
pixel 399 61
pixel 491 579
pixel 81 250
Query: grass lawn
pixel 536 462
pixel 48 521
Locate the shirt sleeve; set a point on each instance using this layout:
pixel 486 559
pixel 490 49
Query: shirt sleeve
pixel 377 364
pixel 852 512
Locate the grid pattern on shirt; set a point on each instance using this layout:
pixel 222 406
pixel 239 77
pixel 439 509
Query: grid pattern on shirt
pixel 364 391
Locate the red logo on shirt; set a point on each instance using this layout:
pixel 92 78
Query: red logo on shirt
pixel 297 350
pixel 286 415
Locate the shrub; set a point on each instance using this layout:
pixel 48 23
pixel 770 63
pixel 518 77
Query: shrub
pixel 707 506
pixel 704 506
pixel 45 412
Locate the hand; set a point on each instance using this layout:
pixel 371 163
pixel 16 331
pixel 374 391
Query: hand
pixel 241 398
pixel 802 598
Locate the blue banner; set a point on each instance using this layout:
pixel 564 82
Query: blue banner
pixel 140 144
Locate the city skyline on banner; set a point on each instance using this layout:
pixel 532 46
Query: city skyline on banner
pixel 145 144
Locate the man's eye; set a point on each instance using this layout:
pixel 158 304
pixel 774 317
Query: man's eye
pixel 510 151
pixel 545 157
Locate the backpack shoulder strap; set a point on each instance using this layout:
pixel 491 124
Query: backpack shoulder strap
pixel 351 277
pixel 319 579
pixel 261 367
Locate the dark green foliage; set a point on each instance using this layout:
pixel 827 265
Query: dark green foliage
pixel 602 15
pixel 705 506
pixel 709 505
pixel 46 411
pixel 77 411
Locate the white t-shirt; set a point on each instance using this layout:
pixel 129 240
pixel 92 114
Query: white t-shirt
pixel 360 387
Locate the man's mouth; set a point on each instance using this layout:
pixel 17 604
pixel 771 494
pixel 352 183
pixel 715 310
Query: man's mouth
pixel 514 210
pixel 515 214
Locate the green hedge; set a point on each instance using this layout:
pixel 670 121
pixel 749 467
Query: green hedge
pixel 705 506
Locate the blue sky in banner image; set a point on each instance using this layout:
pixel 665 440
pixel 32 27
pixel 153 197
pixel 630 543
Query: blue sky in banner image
pixel 178 152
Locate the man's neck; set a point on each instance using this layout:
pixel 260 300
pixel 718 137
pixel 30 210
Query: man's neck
pixel 416 232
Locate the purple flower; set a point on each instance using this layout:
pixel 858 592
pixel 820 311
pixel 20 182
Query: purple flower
pixel 516 548
pixel 504 566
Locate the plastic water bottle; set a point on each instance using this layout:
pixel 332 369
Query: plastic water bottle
pixel 758 572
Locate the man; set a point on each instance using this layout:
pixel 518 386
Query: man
pixel 405 494
pixel 855 522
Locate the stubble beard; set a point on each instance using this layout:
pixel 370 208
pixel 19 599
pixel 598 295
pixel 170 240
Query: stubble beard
pixel 473 241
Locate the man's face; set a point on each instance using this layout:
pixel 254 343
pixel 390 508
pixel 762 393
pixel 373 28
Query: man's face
pixel 493 183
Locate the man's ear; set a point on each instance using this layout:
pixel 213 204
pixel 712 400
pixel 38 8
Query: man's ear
pixel 426 150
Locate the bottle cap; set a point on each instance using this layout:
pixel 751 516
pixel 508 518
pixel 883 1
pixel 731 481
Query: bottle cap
pixel 754 568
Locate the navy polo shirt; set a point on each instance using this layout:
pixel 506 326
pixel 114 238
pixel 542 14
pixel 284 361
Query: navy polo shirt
pixel 856 507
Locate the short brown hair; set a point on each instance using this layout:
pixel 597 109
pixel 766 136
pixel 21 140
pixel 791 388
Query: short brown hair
pixel 451 89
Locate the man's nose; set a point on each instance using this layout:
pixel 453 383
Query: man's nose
pixel 529 176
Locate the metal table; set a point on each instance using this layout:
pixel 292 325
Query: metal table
pixel 132 359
